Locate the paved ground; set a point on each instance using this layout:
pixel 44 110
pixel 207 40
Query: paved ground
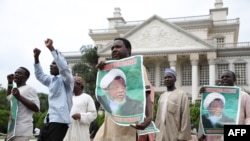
pixel 30 140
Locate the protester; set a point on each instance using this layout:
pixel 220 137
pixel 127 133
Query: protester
pixel 228 78
pixel 117 102
pixel 173 113
pixel 24 101
pixel 82 113
pixel 109 131
pixel 60 84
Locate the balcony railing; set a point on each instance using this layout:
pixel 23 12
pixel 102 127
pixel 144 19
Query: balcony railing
pixel 172 20
pixel 189 19
pixel 107 30
pixel 234 45
pixel 227 22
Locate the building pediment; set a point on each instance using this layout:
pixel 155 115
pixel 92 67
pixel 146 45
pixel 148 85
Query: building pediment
pixel 159 35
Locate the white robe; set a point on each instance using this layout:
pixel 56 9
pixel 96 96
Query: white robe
pixel 79 129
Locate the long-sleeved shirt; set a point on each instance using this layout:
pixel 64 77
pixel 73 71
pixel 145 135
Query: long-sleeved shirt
pixel 60 89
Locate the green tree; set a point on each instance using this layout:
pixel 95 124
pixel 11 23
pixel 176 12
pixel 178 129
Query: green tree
pixel 5 105
pixel 195 114
pixel 87 69
pixel 4 117
pixel 43 102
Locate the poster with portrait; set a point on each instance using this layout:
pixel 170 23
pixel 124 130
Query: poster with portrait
pixel 120 89
pixel 219 107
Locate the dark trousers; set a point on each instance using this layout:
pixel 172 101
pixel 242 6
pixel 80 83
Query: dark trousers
pixel 53 132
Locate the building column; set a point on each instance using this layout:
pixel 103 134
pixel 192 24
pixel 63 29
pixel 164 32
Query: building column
pixel 172 58
pixel 172 65
pixel 211 56
pixel 211 71
pixel 231 67
pixel 194 62
pixel 157 75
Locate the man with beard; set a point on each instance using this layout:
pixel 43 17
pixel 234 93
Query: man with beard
pixel 116 102
pixel 214 103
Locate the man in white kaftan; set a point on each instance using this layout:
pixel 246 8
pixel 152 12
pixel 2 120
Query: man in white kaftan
pixel 83 112
pixel 173 113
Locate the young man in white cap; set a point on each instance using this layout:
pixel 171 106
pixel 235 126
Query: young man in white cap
pixel 173 114
pixel 82 113
pixel 215 118
pixel 116 101
pixel 109 131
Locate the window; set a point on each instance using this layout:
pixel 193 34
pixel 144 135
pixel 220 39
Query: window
pixel 186 74
pixel 162 69
pixel 204 75
pixel 151 74
pixel 240 73
pixel 220 69
pixel 220 41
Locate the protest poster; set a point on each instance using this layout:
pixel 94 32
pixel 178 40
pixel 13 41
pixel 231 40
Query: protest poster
pixel 123 100
pixel 219 107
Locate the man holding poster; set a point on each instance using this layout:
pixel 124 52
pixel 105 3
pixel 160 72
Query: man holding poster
pixel 211 109
pixel 228 79
pixel 120 128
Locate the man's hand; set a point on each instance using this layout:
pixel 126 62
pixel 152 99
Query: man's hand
pixel 100 65
pixel 16 93
pixel 36 52
pixel 202 90
pixel 76 116
pixel 142 125
pixel 49 44
pixel 10 78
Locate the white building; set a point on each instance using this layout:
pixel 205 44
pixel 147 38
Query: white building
pixel 199 48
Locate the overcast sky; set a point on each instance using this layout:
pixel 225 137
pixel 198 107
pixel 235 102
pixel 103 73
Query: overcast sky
pixel 25 24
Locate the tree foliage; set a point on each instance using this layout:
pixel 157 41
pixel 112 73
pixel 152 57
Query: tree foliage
pixel 195 115
pixel 43 102
pixel 87 69
pixel 5 105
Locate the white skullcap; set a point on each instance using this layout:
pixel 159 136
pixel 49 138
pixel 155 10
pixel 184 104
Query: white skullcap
pixel 168 70
pixel 211 97
pixel 110 76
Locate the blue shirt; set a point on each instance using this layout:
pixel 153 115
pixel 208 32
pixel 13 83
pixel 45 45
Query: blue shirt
pixel 60 89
